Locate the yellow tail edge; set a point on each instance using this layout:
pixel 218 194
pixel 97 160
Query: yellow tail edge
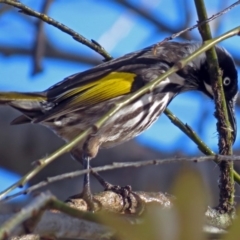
pixel 16 96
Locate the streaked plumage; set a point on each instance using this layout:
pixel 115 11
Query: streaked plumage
pixel 77 102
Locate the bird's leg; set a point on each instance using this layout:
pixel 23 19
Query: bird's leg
pixel 126 192
pixel 106 185
pixel 86 193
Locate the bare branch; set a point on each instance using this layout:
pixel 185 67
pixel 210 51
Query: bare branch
pixel 148 87
pixel 51 52
pixel 118 165
pixel 195 138
pixel 40 41
pixel 79 38
pixel 147 16
pixel 201 23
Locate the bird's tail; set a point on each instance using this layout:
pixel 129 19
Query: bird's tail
pixel 30 104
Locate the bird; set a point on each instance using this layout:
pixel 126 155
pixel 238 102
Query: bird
pixel 78 101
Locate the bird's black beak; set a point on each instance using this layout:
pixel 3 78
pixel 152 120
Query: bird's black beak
pixel 232 119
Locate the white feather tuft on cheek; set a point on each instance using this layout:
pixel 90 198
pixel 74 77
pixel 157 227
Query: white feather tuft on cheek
pixel 208 88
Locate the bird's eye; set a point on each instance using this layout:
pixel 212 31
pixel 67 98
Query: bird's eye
pixel 226 81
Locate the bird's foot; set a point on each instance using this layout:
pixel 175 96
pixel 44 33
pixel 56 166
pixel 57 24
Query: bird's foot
pixel 132 202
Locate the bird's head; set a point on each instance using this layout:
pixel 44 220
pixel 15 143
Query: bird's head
pixel 229 81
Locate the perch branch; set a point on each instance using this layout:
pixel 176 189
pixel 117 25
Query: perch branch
pixel 49 180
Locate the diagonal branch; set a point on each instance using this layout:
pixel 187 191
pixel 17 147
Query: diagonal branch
pixel 195 138
pixel 147 16
pixel 79 38
pixel 146 89
pixel 201 23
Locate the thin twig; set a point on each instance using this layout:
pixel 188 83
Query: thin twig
pixel 199 24
pixel 161 25
pixel 117 165
pixel 79 38
pixel 51 52
pixel 195 138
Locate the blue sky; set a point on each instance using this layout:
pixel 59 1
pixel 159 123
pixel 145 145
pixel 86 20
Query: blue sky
pixel 120 31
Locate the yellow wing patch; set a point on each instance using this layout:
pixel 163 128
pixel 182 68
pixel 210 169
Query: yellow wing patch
pixel 110 86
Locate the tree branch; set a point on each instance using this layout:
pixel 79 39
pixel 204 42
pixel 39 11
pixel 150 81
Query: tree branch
pixel 226 185
pixel 201 23
pixel 146 89
pixel 79 38
pixel 39 45
pixel 117 165
pixel 51 52
pixel 72 221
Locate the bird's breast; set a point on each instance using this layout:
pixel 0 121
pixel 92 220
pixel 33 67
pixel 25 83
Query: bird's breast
pixel 126 124
pixel 133 119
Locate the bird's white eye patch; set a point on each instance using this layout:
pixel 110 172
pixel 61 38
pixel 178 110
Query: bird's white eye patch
pixel 208 88
pixel 226 81
pixel 235 98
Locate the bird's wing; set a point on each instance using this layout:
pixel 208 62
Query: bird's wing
pixel 86 78
pixel 106 81
pixel 109 80
pixel 110 86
